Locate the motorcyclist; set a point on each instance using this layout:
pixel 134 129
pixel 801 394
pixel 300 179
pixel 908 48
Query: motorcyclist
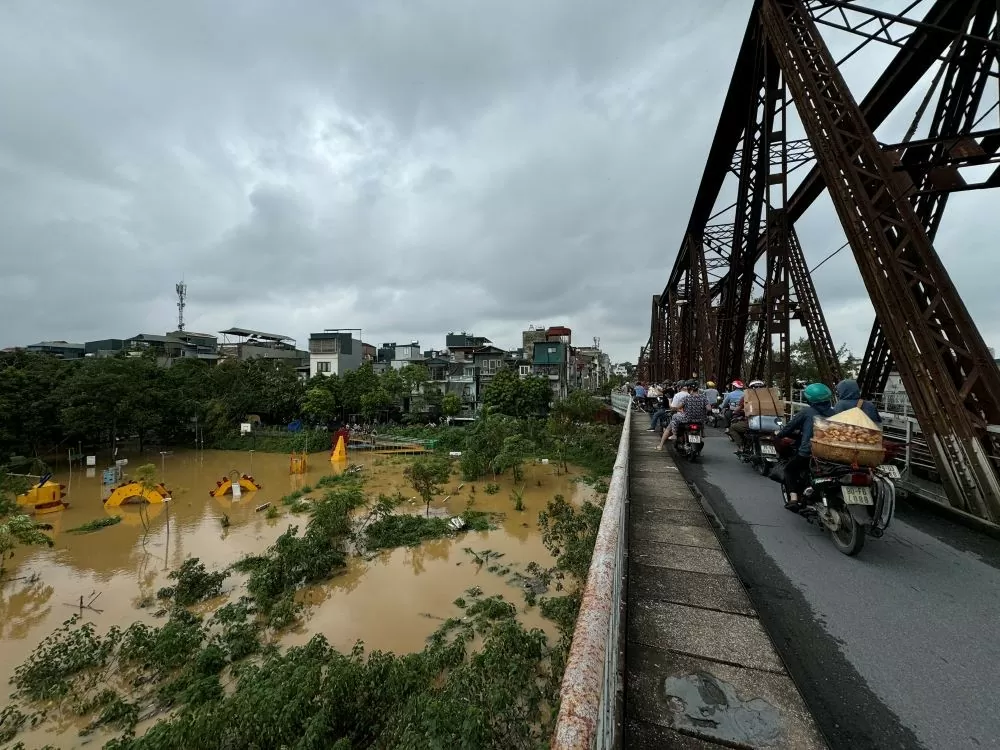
pixel 739 424
pixel 711 394
pixel 849 396
pixel 731 400
pixel 735 394
pixel 691 408
pixel 819 398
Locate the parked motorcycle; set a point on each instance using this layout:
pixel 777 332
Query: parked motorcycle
pixel 690 440
pixel 758 447
pixel 851 502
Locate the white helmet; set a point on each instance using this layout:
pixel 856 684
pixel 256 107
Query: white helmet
pixel 756 383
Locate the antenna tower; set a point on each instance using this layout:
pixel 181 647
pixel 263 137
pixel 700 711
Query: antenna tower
pixel 182 292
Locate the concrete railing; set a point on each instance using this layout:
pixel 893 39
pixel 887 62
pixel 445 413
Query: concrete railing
pixel 620 401
pixel 591 696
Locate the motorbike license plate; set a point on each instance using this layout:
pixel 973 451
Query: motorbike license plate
pixel 768 450
pixel 694 438
pixel 889 470
pixel 858 496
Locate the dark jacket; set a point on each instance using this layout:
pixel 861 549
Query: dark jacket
pixel 849 394
pixel 802 423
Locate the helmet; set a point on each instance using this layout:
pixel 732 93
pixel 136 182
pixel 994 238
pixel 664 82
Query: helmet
pixel 737 383
pixel 817 393
pixel 691 383
pixel 711 384
pixel 756 383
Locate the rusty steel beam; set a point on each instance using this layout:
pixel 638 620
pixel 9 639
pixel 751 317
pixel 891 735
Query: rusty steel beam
pixel 705 315
pixel 921 51
pixel 931 164
pixel 755 162
pixel 657 353
pixel 807 308
pixel 952 383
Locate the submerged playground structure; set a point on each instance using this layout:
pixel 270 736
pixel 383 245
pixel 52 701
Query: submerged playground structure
pixel 226 485
pixel 129 493
pixel 45 496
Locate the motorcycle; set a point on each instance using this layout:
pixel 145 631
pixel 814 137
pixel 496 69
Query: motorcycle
pixel 714 417
pixel 758 447
pixel 690 440
pixel 851 502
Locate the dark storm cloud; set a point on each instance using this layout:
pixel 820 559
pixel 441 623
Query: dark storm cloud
pixel 408 167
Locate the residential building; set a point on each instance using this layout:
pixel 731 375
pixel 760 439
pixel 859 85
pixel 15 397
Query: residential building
pixel 462 380
pixel 550 359
pixel 103 347
pixel 202 346
pixel 406 354
pixel 589 368
pixel 437 368
pixel 245 343
pixel 487 361
pixel 368 353
pixel 59 349
pixel 334 353
pixel 559 333
pixel 165 348
pixel 460 346
pixel 529 338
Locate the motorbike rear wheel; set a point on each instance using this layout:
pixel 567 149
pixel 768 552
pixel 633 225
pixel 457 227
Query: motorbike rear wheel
pixel 850 537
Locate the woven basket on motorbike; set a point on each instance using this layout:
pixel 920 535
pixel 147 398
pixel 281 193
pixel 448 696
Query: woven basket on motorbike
pixel 848 442
pixel 852 455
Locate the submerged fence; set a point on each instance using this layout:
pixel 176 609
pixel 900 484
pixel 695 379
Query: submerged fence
pixel 592 687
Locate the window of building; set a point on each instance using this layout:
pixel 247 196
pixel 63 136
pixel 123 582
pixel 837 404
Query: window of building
pixel 322 367
pixel 525 370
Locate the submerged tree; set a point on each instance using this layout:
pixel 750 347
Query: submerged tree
pixel 426 475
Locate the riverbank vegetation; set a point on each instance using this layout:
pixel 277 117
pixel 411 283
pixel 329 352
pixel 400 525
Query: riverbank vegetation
pixel 483 680
pixel 219 679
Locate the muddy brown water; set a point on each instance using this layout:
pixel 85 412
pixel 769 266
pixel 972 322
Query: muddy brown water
pixel 391 602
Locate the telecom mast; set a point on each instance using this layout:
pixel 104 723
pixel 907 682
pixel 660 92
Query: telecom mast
pixel 182 291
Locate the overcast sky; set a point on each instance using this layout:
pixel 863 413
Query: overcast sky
pixel 408 167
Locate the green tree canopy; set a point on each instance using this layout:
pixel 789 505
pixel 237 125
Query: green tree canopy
pixel 514 396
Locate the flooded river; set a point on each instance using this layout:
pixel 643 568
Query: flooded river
pixel 391 602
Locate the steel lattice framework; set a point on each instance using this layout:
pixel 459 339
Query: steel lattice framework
pixel 740 276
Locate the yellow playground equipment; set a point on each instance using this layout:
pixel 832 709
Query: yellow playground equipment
pixel 128 493
pixel 339 454
pixel 297 463
pixel 44 497
pixel 225 485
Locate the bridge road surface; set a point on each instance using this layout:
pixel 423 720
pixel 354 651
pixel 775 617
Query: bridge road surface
pixel 896 648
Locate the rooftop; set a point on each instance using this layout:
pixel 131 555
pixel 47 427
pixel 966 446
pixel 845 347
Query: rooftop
pixel 256 334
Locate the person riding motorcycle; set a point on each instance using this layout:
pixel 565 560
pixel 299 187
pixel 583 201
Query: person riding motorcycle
pixel 730 401
pixel 849 396
pixel 691 406
pixel 819 398
pixel 739 424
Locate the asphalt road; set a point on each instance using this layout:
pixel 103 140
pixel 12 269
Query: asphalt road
pixel 896 648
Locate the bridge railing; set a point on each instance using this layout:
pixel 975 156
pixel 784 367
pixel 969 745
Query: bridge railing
pixel 620 401
pixel 591 695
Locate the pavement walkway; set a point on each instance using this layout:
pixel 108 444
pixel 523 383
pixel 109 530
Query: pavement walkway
pixel 701 671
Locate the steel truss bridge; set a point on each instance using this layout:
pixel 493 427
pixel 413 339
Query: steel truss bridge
pixel 740 277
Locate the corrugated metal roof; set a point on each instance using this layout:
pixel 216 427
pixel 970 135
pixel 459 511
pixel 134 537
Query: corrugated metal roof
pixel 257 334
